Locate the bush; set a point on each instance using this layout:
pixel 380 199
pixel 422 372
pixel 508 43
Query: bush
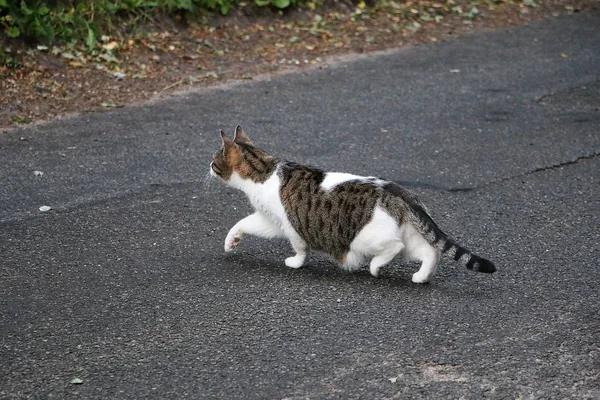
pixel 68 20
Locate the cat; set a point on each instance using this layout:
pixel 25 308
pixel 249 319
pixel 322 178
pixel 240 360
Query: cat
pixel 352 218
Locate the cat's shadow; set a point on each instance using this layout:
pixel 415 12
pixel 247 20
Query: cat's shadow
pixel 321 268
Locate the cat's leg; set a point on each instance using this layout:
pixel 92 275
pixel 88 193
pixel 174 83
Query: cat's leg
pixel 256 224
pixel 384 257
pixel 353 260
pixel 429 260
pixel 301 249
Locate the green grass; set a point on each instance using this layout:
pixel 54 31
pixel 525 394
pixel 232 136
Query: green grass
pixel 65 21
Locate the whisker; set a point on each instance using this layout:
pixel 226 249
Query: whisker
pixel 208 180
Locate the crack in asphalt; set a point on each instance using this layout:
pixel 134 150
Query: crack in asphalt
pixel 509 178
pixel 466 189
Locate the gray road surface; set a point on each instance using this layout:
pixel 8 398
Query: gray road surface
pixel 124 284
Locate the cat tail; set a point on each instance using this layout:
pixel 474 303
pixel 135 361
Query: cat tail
pixel 438 239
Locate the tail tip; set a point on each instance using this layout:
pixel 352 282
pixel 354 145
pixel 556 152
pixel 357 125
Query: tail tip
pixel 485 266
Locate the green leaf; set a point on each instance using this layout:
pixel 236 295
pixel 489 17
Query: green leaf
pixel 26 10
pixel 281 3
pixel 90 40
pixel 184 5
pixel 43 10
pixel 113 8
pixel 262 3
pixel 3 3
pixel 13 32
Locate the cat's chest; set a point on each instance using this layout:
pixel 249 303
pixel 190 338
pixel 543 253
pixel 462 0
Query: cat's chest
pixel 265 197
pixel 266 201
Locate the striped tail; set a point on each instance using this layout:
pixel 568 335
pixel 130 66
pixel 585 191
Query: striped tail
pixel 438 239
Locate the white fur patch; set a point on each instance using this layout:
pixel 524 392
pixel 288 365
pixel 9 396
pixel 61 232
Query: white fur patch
pixel 374 238
pixel 417 246
pixel 332 179
pixel 263 196
pixel 418 249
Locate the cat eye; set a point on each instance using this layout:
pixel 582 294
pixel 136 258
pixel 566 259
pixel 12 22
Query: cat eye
pixel 215 168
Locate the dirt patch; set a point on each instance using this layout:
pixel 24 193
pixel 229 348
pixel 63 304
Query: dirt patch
pixel 54 82
pixel 442 373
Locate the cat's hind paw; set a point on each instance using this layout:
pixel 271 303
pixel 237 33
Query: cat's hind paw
pixel 295 262
pixel 231 243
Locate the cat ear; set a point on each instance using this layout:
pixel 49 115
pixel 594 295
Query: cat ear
pixel 227 143
pixel 240 137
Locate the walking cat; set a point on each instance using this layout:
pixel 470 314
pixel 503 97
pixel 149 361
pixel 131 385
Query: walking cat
pixel 352 218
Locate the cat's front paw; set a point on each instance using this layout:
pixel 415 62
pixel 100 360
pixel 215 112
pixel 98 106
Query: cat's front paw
pixel 375 271
pixel 420 278
pixel 231 242
pixel 295 262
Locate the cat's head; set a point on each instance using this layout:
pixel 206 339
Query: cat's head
pixel 240 158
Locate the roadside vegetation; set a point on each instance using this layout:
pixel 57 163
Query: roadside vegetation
pixel 86 25
pixel 66 21
pixel 66 56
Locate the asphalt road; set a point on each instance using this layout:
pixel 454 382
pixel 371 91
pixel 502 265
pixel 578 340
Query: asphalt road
pixel 124 284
